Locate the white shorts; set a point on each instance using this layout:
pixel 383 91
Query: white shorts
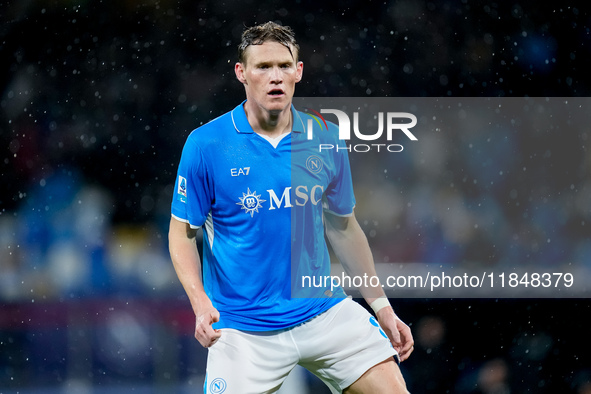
pixel 338 346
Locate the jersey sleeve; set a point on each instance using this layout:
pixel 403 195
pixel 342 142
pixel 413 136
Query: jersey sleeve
pixel 339 198
pixel 193 192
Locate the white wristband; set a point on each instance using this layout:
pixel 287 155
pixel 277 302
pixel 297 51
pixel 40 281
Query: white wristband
pixel 379 303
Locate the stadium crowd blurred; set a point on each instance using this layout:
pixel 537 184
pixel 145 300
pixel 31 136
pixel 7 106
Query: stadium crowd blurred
pixel 98 97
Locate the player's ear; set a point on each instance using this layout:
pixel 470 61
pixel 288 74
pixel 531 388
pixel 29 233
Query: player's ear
pixel 299 71
pixel 239 70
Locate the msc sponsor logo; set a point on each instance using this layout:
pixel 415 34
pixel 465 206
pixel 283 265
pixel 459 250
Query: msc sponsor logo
pixel 301 195
pixel 250 202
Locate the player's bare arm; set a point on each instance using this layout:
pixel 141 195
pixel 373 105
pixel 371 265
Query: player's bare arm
pixel 187 264
pixel 351 247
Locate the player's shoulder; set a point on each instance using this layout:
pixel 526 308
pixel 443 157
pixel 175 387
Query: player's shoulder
pixel 213 131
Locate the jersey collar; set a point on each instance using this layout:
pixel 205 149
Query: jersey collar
pixel 242 126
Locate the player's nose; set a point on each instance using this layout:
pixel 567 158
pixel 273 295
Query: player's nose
pixel 276 75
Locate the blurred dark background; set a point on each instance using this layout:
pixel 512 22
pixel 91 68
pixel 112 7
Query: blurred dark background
pixel 98 97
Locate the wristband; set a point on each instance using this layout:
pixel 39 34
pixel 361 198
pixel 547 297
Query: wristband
pixel 379 303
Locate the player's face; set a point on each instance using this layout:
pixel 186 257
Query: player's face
pixel 269 75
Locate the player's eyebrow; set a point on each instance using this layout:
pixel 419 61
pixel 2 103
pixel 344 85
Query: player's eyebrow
pixel 266 62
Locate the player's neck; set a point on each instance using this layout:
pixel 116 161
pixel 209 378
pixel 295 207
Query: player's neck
pixel 269 123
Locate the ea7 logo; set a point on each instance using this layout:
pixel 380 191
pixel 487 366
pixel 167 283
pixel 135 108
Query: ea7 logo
pixel 345 125
pixel 239 171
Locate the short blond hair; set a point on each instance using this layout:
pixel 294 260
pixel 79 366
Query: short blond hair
pixel 269 31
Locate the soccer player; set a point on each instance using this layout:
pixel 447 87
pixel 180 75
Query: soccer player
pixel 263 198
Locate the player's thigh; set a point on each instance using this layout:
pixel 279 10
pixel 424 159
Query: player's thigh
pixel 242 363
pixel 343 343
pixel 384 378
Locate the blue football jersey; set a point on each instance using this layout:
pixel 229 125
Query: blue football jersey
pixel 260 204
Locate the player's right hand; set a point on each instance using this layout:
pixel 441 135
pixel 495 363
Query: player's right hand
pixel 397 331
pixel 204 332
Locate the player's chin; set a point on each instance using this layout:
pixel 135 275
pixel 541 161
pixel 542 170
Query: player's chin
pixel 278 106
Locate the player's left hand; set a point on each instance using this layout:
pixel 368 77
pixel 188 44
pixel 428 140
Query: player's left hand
pixel 397 331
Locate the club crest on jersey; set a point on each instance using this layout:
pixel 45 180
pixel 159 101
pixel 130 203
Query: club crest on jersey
pixel 182 189
pixel 250 202
pixel 218 386
pixel 314 164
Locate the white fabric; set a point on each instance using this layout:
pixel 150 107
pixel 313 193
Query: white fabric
pixel 338 346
